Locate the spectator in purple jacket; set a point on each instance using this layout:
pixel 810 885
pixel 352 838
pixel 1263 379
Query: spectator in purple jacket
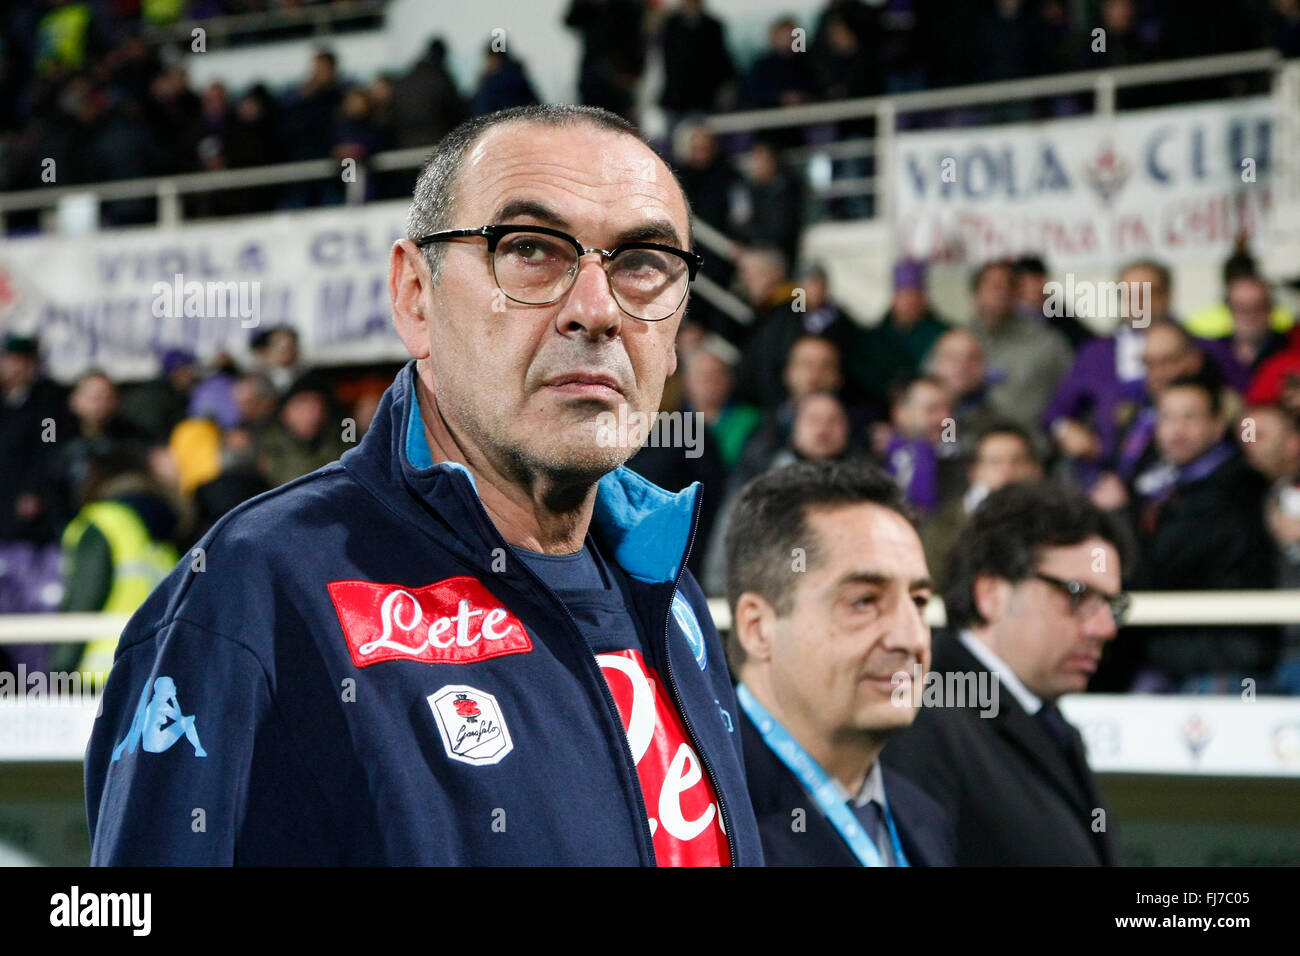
pixel 1081 417
pixel 1111 376
pixel 920 449
pixel 214 395
pixel 1169 355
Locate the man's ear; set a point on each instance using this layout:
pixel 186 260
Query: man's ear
pixel 409 283
pixel 992 594
pixel 753 625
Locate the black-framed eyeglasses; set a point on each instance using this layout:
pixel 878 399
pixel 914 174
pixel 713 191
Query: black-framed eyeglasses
pixel 536 265
pixel 1085 600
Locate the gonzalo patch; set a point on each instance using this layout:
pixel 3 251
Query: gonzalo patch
pixel 473 730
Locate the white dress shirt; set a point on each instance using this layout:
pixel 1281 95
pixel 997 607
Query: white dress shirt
pixel 1006 676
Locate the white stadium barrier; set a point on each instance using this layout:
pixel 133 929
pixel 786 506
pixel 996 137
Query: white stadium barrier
pixel 1128 734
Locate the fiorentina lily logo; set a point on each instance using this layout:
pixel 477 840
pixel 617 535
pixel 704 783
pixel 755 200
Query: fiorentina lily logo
pixel 1196 734
pixel 456 621
pixel 1107 173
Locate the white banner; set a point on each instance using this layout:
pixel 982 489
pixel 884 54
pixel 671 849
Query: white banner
pixel 117 300
pixel 1229 736
pixel 1176 184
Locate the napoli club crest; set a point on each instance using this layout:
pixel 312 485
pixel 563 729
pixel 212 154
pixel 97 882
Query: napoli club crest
pixel 690 626
pixel 470 722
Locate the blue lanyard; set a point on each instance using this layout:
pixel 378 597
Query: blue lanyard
pixel 819 786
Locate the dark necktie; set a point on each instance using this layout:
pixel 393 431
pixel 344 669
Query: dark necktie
pixel 873 821
pixel 1053 721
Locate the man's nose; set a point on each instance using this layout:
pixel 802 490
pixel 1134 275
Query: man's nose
pixel 1100 624
pixel 909 633
pixel 589 307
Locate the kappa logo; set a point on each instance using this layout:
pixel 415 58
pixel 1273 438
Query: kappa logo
pixel 473 730
pixel 158 722
pixel 690 625
pixel 456 621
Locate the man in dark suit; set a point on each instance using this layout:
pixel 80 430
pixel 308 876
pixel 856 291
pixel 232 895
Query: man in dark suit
pixel 827 584
pixel 1032 596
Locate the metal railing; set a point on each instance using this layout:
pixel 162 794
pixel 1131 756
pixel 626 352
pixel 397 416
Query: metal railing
pixel 322 20
pixel 1150 609
pixel 884 109
pixel 1102 84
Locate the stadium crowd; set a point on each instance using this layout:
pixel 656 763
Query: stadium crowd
pixel 1188 429
pixel 82 84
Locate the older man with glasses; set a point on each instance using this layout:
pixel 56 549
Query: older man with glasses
pixel 1032 596
pixel 473 640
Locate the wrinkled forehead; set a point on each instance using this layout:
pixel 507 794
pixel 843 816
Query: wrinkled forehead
pixel 597 183
pixel 866 538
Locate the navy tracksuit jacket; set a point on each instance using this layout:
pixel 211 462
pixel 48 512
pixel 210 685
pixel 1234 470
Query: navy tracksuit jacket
pixel 290 703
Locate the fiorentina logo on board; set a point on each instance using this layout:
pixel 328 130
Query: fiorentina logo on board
pixel 1106 173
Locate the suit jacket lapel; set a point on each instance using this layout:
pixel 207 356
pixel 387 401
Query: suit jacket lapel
pixel 911 829
pixel 775 792
pixel 1024 732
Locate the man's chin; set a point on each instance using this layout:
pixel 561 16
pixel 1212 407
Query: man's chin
pixel 1074 682
pixel 886 720
pixel 579 460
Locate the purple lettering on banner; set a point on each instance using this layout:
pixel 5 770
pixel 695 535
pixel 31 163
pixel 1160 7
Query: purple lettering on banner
pixel 251 258
pixel 327 248
pixel 332 301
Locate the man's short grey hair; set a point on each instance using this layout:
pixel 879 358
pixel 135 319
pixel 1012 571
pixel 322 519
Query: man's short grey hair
pixel 436 189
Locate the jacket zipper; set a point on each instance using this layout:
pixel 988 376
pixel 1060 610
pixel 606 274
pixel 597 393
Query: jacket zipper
pixel 681 709
pixel 644 815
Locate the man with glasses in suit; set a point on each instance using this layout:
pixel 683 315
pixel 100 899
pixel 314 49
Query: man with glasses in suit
pixel 1032 596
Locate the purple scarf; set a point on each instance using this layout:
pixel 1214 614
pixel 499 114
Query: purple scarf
pixel 912 463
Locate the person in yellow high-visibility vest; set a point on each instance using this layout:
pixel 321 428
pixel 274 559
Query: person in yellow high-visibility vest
pixel 115 552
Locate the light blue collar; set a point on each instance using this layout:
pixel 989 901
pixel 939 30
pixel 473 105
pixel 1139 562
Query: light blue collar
pixel 645 527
